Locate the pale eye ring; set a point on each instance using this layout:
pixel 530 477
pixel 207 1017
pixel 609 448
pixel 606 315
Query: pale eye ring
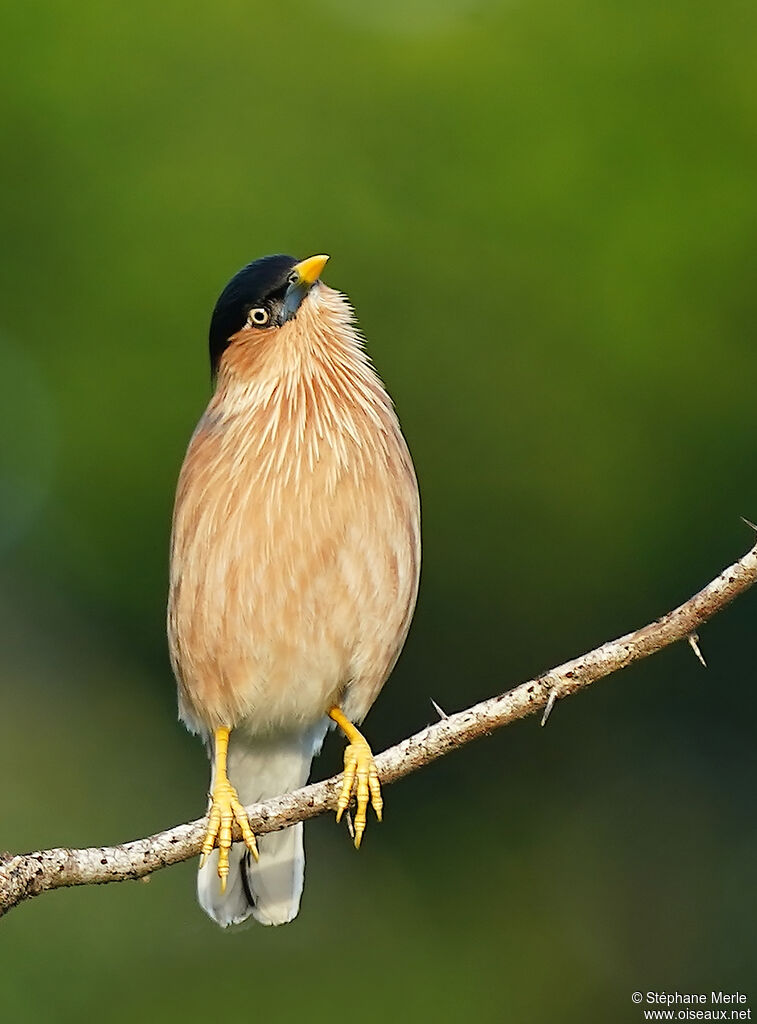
pixel 258 317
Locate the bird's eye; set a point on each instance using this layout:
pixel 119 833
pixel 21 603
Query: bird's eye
pixel 293 279
pixel 258 316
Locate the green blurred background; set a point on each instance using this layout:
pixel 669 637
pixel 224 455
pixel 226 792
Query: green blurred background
pixel 546 216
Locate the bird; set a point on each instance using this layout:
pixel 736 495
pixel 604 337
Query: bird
pixel 294 570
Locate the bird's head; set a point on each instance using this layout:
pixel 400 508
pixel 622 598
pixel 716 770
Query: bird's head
pixel 259 300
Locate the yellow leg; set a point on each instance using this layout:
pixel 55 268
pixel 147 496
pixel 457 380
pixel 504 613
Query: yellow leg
pixel 225 808
pixel 360 776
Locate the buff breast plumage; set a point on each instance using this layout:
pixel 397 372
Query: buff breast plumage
pixel 295 548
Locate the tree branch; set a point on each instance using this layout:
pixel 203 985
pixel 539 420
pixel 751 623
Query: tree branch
pixel 27 875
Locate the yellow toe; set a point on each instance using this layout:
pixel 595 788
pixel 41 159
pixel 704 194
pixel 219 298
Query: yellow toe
pixel 225 809
pixel 360 775
pixel 361 782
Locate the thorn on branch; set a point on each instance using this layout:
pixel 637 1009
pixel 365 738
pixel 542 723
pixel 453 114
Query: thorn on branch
pixel 440 712
pixel 693 639
pixel 749 523
pixel 549 705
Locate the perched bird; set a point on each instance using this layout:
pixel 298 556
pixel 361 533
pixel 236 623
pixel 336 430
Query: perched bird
pixel 295 556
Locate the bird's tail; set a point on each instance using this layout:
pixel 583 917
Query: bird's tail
pixel 270 889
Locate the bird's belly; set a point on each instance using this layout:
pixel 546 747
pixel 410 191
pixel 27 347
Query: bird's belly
pixel 284 608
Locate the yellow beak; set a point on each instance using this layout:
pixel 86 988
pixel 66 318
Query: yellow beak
pixel 310 270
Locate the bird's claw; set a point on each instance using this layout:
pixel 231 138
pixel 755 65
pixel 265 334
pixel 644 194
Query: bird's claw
pixel 361 780
pixel 225 809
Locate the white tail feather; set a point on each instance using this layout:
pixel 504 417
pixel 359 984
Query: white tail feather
pixel 270 890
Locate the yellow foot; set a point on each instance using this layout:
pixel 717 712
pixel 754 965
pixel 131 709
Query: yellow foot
pixel 225 809
pixel 360 779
